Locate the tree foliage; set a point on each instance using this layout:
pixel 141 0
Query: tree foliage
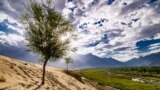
pixel 44 29
pixel 68 61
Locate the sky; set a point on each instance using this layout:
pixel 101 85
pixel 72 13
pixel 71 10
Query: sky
pixel 118 29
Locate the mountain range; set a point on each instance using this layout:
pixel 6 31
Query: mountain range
pixel 150 60
pixel 90 61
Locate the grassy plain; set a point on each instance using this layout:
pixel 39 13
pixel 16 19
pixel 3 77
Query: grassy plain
pixel 126 78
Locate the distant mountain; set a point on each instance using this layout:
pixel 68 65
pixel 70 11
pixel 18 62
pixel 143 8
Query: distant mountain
pixel 90 61
pixel 150 60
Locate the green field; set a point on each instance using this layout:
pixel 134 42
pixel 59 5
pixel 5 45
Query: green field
pixel 126 78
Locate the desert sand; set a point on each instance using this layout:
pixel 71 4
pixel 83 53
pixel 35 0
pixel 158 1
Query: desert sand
pixel 20 75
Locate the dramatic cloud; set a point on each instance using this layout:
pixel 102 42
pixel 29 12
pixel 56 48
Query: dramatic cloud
pixel 112 28
pixel 106 28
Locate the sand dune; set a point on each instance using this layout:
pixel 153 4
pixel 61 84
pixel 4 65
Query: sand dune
pixel 21 75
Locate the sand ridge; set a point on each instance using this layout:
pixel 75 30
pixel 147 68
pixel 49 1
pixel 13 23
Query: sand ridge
pixel 22 75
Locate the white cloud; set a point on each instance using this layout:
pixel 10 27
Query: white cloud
pixel 5 16
pixel 11 39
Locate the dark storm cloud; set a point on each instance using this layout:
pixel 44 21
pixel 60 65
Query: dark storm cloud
pixel 133 6
pixel 121 49
pixel 113 33
pixel 12 51
pixel 13 8
pixel 18 52
pixel 149 31
pixel 59 4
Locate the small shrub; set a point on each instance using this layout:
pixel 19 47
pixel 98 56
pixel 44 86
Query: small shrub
pixel 72 74
pixel 25 63
pixel 2 79
pixel 101 83
pixel 11 66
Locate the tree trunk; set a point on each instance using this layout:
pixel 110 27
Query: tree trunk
pixel 67 67
pixel 44 69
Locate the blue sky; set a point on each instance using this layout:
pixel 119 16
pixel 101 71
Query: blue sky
pixel 119 29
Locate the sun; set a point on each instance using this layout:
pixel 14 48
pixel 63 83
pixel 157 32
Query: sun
pixel 63 38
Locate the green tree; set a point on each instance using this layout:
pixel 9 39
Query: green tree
pixel 68 61
pixel 45 29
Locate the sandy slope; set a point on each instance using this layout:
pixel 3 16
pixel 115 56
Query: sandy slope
pixel 21 75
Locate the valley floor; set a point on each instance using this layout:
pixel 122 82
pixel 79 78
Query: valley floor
pixel 133 78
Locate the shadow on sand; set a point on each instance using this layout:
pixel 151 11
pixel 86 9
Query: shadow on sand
pixel 39 86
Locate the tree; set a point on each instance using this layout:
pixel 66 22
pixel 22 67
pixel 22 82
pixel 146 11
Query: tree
pixel 45 29
pixel 68 61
